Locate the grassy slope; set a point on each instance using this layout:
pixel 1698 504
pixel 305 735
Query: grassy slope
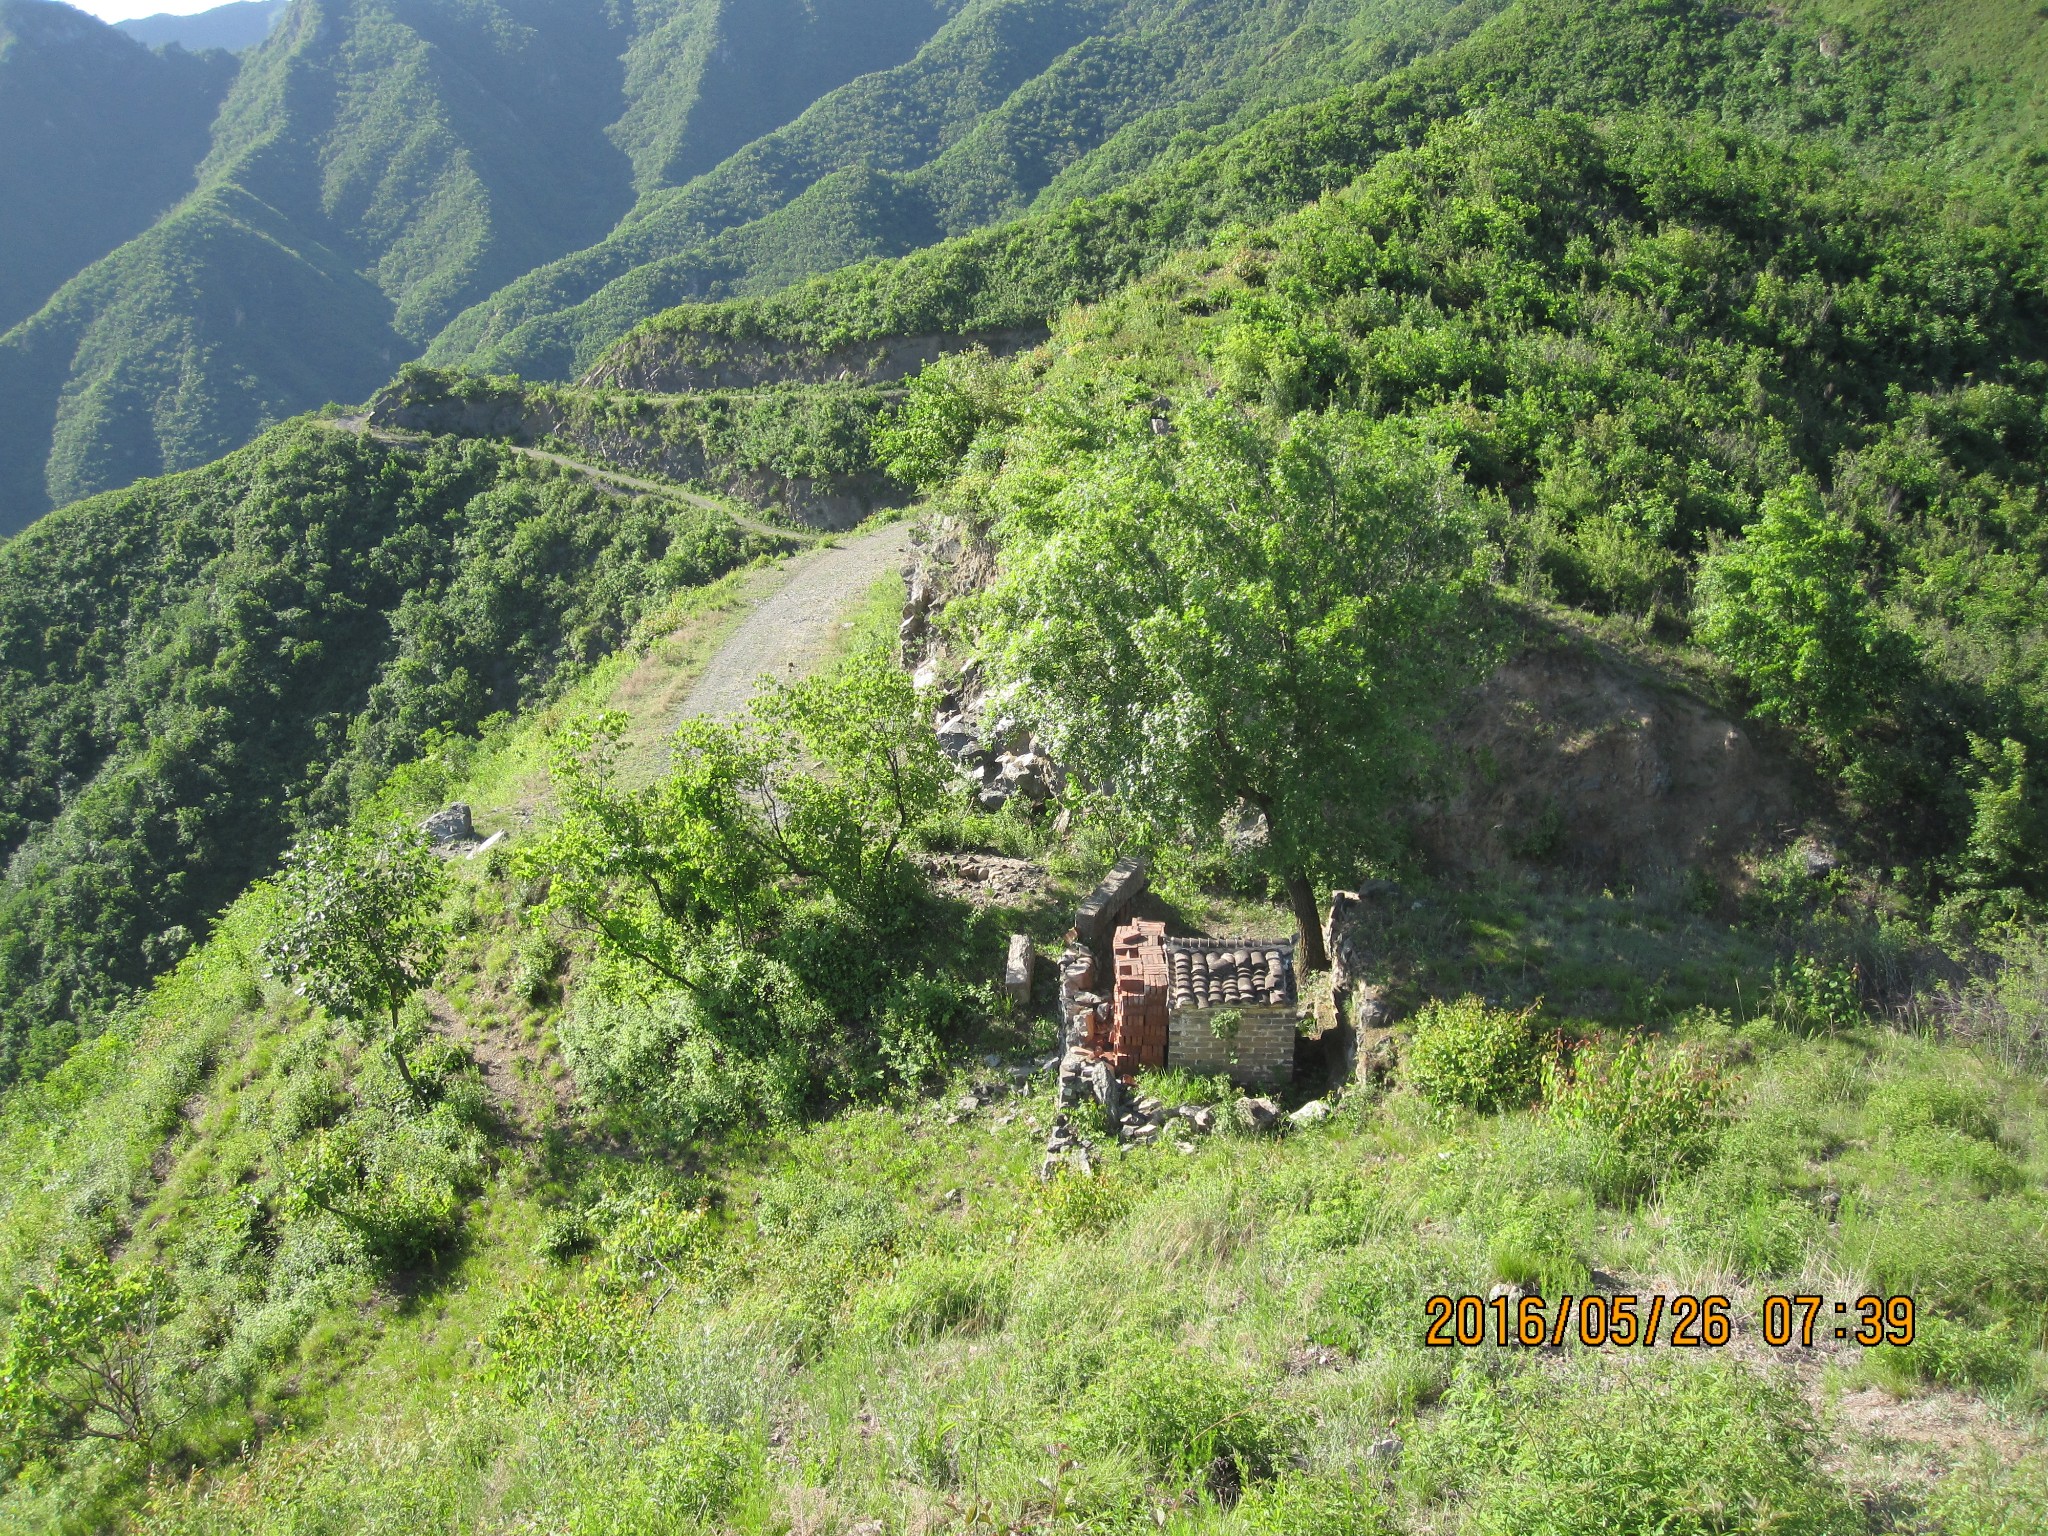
pixel 889 1317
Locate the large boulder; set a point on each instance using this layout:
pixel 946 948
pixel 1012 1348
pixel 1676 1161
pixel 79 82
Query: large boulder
pixel 450 824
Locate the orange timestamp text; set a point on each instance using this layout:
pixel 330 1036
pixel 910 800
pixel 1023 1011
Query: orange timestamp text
pixel 1680 1321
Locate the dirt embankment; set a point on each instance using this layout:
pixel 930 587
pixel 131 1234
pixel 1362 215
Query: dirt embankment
pixel 504 412
pixel 1573 759
pixel 661 363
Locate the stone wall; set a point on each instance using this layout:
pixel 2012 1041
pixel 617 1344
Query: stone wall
pixel 1259 1053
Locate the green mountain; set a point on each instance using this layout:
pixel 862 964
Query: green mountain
pixel 236 27
pixel 1875 94
pixel 374 168
pixel 102 137
pixel 465 170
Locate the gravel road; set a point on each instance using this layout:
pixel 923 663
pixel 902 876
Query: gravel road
pixel 792 629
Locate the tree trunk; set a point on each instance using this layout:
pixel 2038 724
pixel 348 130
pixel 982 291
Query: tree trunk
pixel 1309 920
pixel 397 1049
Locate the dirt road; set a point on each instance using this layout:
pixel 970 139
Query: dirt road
pixel 793 627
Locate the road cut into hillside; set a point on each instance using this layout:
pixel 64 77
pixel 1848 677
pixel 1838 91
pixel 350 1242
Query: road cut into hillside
pixel 792 630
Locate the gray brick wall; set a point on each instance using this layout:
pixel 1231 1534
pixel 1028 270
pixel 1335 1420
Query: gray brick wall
pixel 1260 1054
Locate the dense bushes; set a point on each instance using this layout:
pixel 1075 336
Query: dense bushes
pixel 1691 377
pixel 1465 1053
pixel 764 942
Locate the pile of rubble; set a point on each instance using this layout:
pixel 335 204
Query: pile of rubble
pixel 1006 763
pixel 984 878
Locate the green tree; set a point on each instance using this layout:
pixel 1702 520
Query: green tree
pixel 1785 607
pixel 83 1359
pixel 1225 617
pixel 362 930
pixel 944 409
pixel 815 786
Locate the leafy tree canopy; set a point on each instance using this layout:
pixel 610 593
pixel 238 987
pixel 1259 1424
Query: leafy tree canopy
pixel 1233 615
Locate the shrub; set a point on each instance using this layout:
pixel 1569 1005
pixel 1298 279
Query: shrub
pixel 1679 1448
pixel 1183 1414
pixel 1999 1495
pixel 932 1296
pixel 1969 1260
pixel 1074 1205
pixel 1635 1116
pixel 1734 1216
pixel 1951 1354
pixel 1810 998
pixel 1929 1102
pixel 1315 1504
pixel 1947 1154
pixel 1541 1243
pixel 550 1340
pixel 1465 1053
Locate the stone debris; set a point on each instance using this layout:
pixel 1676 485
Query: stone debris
pixel 1017 970
pixel 1106 904
pixel 1314 1112
pixel 1198 1116
pixel 1258 1114
pixel 450 824
pixel 1387 1451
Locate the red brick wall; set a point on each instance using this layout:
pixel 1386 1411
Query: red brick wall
pixel 1137 1034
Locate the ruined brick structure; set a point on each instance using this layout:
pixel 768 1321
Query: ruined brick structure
pixel 1215 1006
pixel 1137 1022
pixel 1232 1008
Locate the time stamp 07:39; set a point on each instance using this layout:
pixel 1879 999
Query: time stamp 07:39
pixel 1675 1321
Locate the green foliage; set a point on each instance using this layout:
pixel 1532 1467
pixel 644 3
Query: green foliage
pixel 361 930
pixel 1184 1415
pixel 755 905
pixel 1226 616
pixel 82 1359
pixel 1785 607
pixel 1466 1053
pixel 102 134
pixel 946 407
pixel 1951 1354
pixel 261 643
pixel 1635 1116
pixel 1694 1451
pixel 1811 996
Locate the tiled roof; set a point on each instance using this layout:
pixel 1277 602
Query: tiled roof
pixel 1230 973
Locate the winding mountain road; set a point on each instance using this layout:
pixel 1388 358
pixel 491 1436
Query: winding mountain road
pixel 792 628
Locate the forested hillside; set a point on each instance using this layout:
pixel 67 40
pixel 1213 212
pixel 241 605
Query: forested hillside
pixel 374 169
pixel 514 188
pixel 102 136
pixel 197 664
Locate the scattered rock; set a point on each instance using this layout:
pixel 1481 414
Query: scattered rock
pixel 1312 1357
pixel 1258 1114
pixel 1387 1451
pixel 1184 1148
pixel 1199 1116
pixel 1314 1112
pixel 967 1104
pixel 1017 970
pixel 1506 1292
pixel 450 824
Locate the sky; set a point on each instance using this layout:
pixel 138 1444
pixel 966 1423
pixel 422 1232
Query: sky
pixel 127 10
